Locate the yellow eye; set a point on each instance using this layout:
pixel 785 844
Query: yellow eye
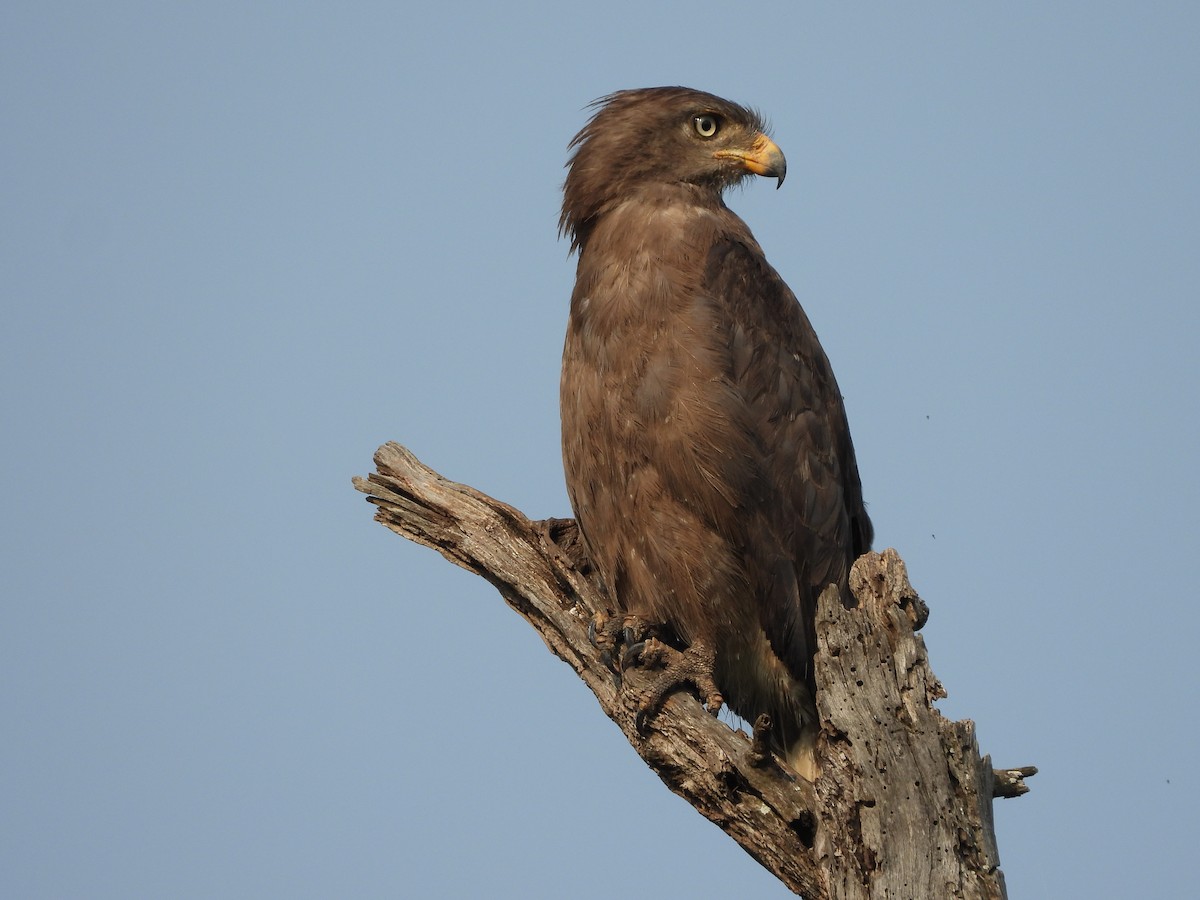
pixel 706 125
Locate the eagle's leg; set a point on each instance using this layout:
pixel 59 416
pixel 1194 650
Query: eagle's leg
pixel 666 670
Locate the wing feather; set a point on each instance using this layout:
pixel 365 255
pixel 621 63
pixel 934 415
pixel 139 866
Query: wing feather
pixel 807 523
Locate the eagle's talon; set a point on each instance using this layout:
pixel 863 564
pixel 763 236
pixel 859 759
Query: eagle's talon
pixel 632 655
pixel 665 668
pixel 635 630
pixel 604 633
pixel 666 671
pixel 602 630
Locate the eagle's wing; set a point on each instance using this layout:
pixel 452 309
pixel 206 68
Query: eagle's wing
pixel 807 524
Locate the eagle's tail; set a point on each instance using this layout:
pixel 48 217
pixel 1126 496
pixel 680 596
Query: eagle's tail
pixel 802 755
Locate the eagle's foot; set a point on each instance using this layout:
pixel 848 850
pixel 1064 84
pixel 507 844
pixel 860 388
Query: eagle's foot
pixel 666 670
pixel 604 632
pixel 608 633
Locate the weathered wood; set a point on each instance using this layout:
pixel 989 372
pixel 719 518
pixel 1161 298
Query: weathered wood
pixel 902 807
pixel 1011 782
pixel 915 796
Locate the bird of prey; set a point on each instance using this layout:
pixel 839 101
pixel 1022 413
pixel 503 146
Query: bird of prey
pixel 705 443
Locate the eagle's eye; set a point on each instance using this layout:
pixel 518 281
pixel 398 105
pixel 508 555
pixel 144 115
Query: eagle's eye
pixel 706 125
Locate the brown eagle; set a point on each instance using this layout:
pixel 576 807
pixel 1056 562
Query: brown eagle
pixel 705 443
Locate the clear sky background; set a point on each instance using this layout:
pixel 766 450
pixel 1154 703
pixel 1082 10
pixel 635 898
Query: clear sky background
pixel 241 245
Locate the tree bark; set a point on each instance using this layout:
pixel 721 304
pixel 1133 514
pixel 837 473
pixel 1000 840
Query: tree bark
pixel 902 805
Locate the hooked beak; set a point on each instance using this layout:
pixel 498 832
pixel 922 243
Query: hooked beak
pixel 763 158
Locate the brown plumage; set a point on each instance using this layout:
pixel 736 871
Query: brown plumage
pixel 705 443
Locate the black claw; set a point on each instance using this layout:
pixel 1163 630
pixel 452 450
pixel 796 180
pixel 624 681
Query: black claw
pixel 604 633
pixel 632 654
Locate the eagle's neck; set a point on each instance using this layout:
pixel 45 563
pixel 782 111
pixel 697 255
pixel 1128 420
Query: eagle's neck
pixel 644 260
pixel 660 221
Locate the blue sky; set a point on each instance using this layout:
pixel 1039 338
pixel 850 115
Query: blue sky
pixel 243 245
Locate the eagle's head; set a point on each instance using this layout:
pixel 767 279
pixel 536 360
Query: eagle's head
pixel 661 136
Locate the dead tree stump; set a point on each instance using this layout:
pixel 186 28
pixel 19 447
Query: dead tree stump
pixel 903 804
